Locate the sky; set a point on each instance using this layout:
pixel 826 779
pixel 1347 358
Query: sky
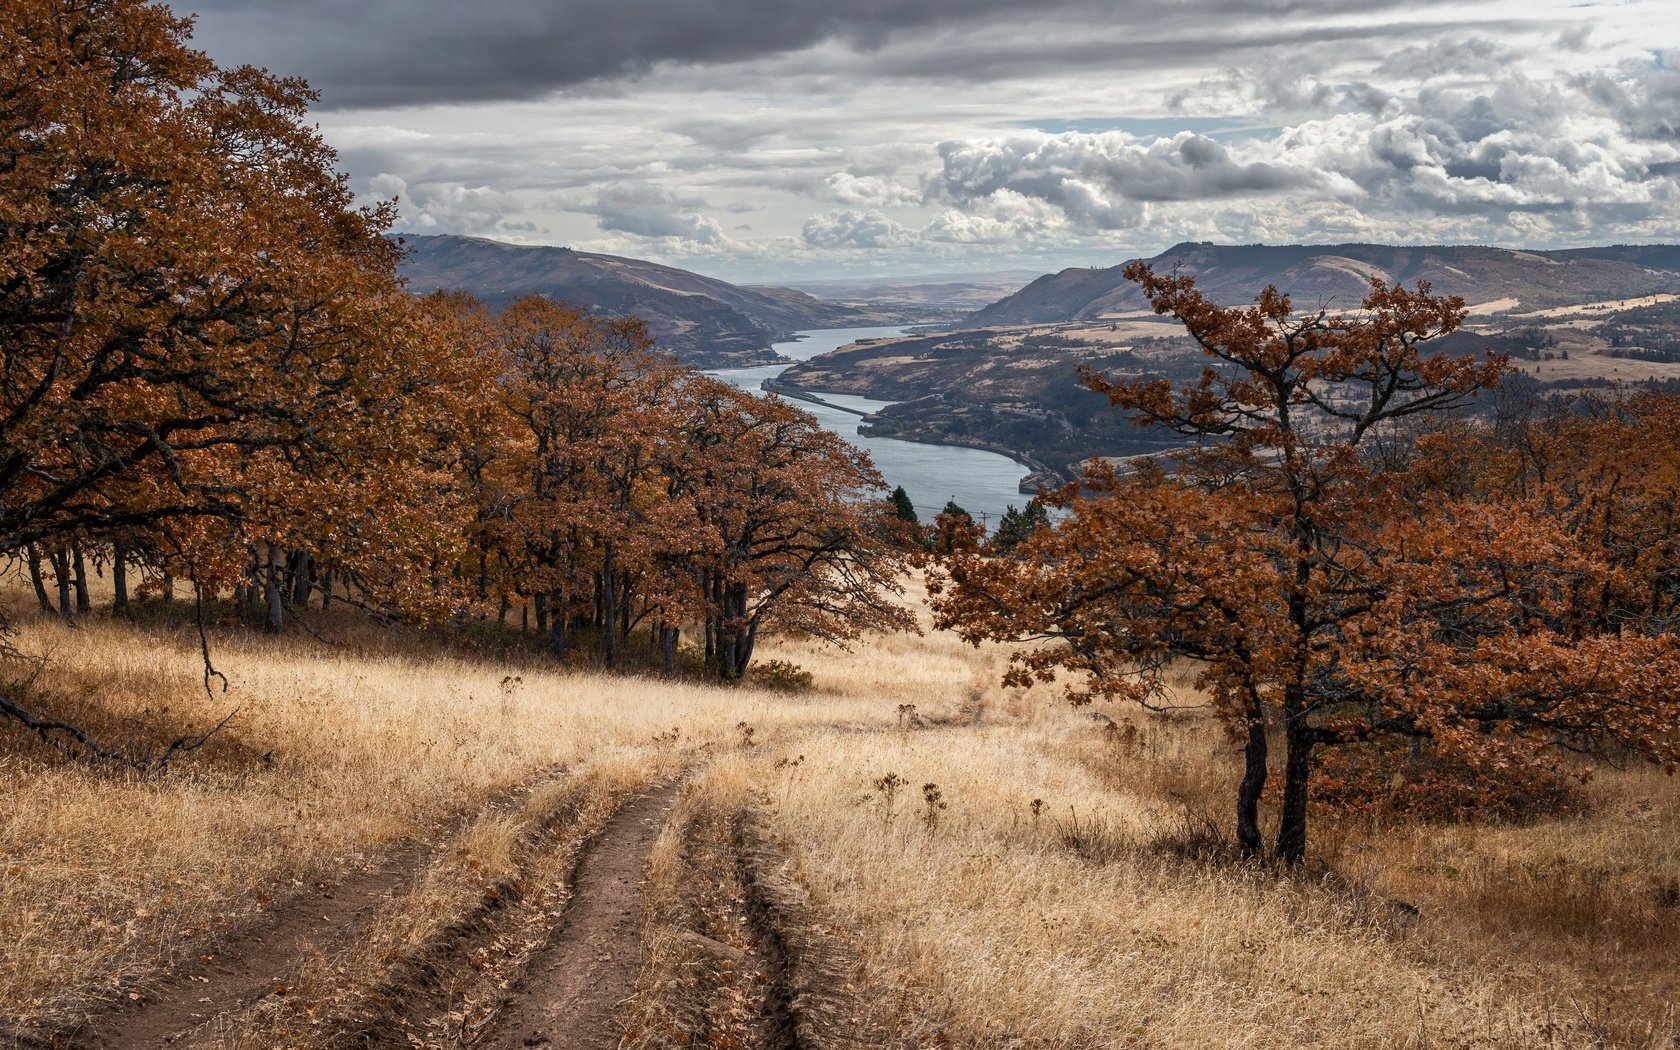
pixel 784 140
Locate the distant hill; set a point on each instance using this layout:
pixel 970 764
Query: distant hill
pixel 956 294
pixel 1337 275
pixel 707 323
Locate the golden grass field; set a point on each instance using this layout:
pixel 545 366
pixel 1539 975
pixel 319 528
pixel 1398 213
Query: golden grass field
pixel 980 919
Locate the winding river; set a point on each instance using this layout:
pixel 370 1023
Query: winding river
pixel 982 483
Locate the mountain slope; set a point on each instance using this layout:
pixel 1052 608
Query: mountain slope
pixel 705 322
pixel 1337 275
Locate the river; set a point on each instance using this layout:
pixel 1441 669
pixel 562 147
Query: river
pixel 982 483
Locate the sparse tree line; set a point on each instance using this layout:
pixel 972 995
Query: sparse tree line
pixel 214 386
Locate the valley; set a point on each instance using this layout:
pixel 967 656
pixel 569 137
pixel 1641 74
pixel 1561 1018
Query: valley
pixel 1005 376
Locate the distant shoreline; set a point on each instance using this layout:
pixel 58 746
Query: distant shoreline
pixel 1040 476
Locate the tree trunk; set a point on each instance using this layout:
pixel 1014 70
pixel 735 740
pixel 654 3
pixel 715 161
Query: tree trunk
pixel 168 586
pixel 119 578
pixel 84 603
pixel 33 554
pixel 326 589
pixel 1292 825
pixel 1253 785
pixel 668 640
pixel 254 575
pixel 303 584
pixel 271 591
pixel 609 607
pixel 541 601
pixel 557 636
pixel 735 644
pixel 61 573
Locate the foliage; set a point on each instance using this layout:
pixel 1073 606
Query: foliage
pixel 955 529
pixel 1345 602
pixel 1393 781
pixel 1016 525
pixel 212 372
pixel 611 490
pixel 903 509
pixel 784 676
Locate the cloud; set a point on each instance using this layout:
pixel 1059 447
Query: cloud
pixel 1519 146
pixel 407 52
pixel 648 211
pixel 469 210
pixel 855 229
pixel 899 133
pixel 870 190
pixel 1105 180
pixel 1644 98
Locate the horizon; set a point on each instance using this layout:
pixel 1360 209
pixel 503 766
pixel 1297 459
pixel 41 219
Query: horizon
pixel 947 275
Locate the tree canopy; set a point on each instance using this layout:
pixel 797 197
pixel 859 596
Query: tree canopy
pixel 1322 593
pixel 212 371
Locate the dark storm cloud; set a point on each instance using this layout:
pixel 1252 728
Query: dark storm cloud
pixel 418 52
pixel 412 52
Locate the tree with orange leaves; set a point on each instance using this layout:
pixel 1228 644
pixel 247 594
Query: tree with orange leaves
pixel 1317 599
pixel 206 345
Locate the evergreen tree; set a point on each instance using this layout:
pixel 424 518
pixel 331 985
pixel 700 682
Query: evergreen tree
pixel 902 507
pixel 1016 525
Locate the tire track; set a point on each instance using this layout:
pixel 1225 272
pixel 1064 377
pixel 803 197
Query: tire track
pixel 571 992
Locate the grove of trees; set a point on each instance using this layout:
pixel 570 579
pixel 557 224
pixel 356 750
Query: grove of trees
pixel 213 379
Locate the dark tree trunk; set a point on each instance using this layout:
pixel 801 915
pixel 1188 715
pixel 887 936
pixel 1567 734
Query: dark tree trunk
pixel 119 578
pixel 84 603
pixel 326 589
pixel 735 643
pixel 276 621
pixel 1253 785
pixel 32 554
pixel 541 601
pixel 502 611
pixel 1292 822
pixel 61 573
pixel 668 640
pixel 302 579
pixel 608 591
pixel 254 575
pixel 168 586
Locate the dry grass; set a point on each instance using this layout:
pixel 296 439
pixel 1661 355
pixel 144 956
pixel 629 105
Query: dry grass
pixel 1091 923
pixel 336 753
pixel 1102 916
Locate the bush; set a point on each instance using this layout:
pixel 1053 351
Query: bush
pixel 1395 782
pixel 782 676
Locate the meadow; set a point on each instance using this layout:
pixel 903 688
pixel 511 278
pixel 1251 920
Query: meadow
pixel 902 854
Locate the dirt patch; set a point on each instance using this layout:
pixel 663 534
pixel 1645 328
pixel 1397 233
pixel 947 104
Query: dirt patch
pixel 570 996
pixel 261 961
pixel 734 954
